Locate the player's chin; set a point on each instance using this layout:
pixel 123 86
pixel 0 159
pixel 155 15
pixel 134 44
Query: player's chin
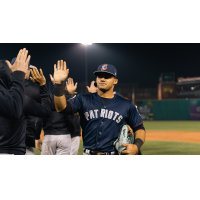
pixel 103 87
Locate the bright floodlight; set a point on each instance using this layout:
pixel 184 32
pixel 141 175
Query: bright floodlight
pixel 86 43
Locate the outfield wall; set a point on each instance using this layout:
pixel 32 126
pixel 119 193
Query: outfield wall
pixel 175 109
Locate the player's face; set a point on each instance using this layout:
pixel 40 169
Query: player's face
pixel 106 81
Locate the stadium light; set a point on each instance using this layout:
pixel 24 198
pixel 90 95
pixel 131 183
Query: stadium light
pixel 86 44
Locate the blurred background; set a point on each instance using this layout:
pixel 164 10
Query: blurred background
pixel 162 80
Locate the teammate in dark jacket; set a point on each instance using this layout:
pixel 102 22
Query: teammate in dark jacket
pixel 12 131
pixel 32 91
pixel 12 91
pixel 60 130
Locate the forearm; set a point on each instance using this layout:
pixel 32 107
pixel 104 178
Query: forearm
pixel 60 103
pixel 33 108
pixel 140 134
pixel 59 98
pixel 12 100
pixel 38 128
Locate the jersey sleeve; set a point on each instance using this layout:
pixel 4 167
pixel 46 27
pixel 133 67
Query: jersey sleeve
pixel 75 103
pixel 134 118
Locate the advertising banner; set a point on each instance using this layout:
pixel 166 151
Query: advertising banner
pixel 195 112
pixel 146 112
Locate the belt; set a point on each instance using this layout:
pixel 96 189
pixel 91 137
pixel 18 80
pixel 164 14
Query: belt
pixel 91 152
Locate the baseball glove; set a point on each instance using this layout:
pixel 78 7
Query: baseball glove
pixel 125 136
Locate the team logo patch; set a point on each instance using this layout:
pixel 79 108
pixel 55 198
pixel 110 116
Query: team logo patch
pixel 104 67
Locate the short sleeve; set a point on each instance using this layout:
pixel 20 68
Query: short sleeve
pixel 134 118
pixel 75 103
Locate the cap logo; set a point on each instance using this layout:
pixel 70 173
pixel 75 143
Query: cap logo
pixel 104 67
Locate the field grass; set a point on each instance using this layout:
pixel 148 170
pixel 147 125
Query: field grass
pixel 166 147
pixel 172 125
pixel 170 148
pixel 161 148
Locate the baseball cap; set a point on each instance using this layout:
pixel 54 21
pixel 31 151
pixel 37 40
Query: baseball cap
pixel 106 68
pixel 13 61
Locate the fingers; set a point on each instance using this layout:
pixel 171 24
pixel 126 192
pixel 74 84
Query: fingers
pixel 24 55
pixel 41 72
pixel 55 69
pixel 67 71
pixel 58 65
pixel 76 84
pixel 92 83
pixel 8 63
pixel 28 60
pixel 65 65
pixel 125 145
pixel 69 81
pixel 19 56
pixel 51 77
pixel 32 74
pixel 72 81
pixel 36 71
pixel 32 79
pixel 61 65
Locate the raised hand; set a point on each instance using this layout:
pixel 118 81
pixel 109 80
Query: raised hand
pixel 37 77
pixel 21 62
pixel 52 79
pixel 60 72
pixel 92 88
pixel 71 88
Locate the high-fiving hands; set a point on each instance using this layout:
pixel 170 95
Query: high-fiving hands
pixel 92 88
pixel 37 77
pixel 60 72
pixel 21 62
pixel 70 86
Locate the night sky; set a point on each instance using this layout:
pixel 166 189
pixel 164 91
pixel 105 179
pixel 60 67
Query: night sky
pixel 136 63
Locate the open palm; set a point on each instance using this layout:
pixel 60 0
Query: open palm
pixel 70 86
pixel 60 72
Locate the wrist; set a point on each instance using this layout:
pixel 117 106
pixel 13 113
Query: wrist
pixel 58 82
pixel 41 84
pixel 136 148
pixel 58 90
pixel 138 142
pixel 71 92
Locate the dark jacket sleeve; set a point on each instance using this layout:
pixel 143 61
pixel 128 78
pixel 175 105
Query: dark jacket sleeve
pixel 38 128
pixel 11 101
pixel 39 110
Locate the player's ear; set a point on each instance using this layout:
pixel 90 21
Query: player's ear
pixel 115 81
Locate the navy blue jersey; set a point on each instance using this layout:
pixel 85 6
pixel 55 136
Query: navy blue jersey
pixel 101 121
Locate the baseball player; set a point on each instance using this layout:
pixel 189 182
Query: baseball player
pixel 34 93
pixel 101 113
pixel 59 128
pixel 13 131
pixel 12 98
